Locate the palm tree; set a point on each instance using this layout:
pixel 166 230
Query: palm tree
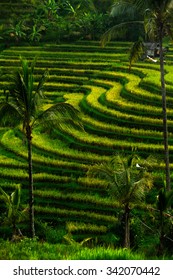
pixel 23 104
pixel 158 22
pixel 127 182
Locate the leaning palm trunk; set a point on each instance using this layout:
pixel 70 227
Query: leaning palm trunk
pixel 164 110
pixel 31 187
pixel 127 227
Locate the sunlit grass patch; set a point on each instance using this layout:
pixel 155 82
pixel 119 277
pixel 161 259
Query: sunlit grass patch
pixel 28 249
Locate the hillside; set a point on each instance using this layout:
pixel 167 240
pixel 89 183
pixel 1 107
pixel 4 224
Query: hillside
pixel 120 111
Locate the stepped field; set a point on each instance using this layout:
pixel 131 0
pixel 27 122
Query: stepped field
pixel 11 8
pixel 120 111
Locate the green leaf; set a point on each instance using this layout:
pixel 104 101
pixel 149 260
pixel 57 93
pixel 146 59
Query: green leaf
pixel 15 197
pixel 6 197
pixel 60 115
pixel 41 83
pixel 125 182
pixel 136 52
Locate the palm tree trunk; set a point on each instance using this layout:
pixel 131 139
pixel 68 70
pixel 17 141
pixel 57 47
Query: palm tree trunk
pixel 161 233
pixel 164 110
pixel 127 227
pixel 31 187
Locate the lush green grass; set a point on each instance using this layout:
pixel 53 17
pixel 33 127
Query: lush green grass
pixel 29 249
pixel 32 250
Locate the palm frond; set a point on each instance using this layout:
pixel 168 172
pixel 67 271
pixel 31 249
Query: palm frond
pixel 17 91
pixel 150 162
pixel 120 190
pixel 101 171
pixel 117 31
pixel 10 114
pixel 142 185
pixel 6 197
pixel 114 32
pixel 132 160
pixel 136 52
pixel 112 180
pixel 117 162
pixel 15 197
pixel 126 7
pixel 40 86
pixel 25 71
pixel 140 5
pixel 60 115
pixel 150 27
pixel 38 96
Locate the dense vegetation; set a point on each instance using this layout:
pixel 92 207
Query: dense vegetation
pixel 35 21
pixel 121 113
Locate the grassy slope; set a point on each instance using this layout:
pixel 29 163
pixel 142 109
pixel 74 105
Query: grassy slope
pixel 33 250
pixel 120 110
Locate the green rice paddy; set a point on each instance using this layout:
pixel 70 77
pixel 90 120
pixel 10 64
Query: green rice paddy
pixel 120 111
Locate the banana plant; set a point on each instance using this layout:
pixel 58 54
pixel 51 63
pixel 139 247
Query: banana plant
pixel 17 30
pixel 14 214
pixel 36 32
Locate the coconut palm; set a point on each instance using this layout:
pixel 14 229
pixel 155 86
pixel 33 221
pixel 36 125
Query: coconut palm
pixel 158 22
pixel 23 104
pixel 127 182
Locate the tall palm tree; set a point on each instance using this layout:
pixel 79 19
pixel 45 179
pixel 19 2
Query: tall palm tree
pixel 158 22
pixel 127 183
pixel 23 104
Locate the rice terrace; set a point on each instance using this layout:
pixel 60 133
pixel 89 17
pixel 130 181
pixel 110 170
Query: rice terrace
pixel 98 180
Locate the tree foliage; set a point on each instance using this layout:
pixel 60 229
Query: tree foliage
pixel 127 182
pixel 23 104
pixel 14 214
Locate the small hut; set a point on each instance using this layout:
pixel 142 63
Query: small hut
pixel 153 49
